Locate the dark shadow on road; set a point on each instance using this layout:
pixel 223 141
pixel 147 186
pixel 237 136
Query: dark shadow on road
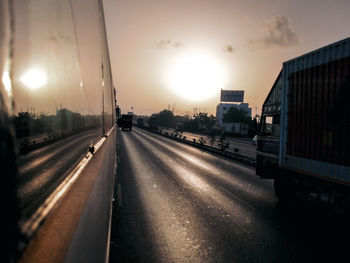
pixel 322 233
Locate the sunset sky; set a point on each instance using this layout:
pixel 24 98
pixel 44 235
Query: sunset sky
pixel 159 47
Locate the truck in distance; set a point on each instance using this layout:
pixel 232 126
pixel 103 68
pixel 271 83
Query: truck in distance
pixel 125 122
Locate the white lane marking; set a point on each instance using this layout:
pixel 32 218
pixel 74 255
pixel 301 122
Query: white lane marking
pixel 180 161
pixel 119 195
pixel 237 198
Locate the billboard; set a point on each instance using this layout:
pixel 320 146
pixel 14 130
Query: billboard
pixel 232 95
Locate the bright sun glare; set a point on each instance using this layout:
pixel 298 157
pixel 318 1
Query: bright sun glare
pixel 196 76
pixel 34 78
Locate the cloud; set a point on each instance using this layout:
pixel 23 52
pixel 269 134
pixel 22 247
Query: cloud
pixel 229 49
pixel 168 44
pixel 278 32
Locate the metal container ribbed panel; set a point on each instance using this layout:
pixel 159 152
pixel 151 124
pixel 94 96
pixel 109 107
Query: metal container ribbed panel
pixel 316 112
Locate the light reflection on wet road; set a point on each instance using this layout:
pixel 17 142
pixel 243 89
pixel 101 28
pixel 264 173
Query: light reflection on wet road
pixel 180 204
pixel 43 169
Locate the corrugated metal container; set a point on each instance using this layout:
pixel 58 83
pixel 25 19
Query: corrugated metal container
pixel 315 114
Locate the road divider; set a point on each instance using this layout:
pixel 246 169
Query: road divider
pixel 236 156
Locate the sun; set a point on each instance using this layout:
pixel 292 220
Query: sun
pixel 34 78
pixel 196 75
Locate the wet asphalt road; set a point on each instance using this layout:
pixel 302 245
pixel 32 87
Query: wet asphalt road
pixel 176 203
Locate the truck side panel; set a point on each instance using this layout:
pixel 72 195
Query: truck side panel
pixel 316 113
pixel 318 124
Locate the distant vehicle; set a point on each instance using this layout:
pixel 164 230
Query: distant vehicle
pixel 125 122
pixel 304 142
pixel 255 140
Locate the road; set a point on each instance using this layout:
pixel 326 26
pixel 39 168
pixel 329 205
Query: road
pixel 41 171
pixel 176 203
